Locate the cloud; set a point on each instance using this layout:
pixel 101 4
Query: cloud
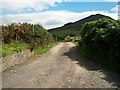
pixel 111 0
pixel 37 5
pixel 51 19
pixel 116 8
pixel 26 5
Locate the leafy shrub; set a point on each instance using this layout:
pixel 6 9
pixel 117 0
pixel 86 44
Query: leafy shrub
pixel 61 34
pixel 100 40
pixel 17 33
pixel 24 33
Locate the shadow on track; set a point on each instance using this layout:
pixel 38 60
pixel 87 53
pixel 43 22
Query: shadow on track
pixel 110 76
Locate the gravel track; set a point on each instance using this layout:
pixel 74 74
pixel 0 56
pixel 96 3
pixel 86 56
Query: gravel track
pixel 61 67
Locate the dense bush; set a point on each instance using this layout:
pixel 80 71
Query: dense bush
pixel 100 41
pixel 61 34
pixel 24 32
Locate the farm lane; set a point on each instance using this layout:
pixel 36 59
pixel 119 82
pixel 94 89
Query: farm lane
pixel 60 67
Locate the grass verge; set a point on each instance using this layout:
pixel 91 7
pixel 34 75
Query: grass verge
pixel 8 49
pixel 45 49
pixel 12 48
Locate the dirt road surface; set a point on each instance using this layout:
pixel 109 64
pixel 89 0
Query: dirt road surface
pixel 61 67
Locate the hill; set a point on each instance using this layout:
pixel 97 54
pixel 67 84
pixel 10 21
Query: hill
pixel 73 28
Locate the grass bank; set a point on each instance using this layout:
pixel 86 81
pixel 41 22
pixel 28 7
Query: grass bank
pixel 12 48
pixel 8 49
pixel 45 48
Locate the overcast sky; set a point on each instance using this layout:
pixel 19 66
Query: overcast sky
pixel 54 13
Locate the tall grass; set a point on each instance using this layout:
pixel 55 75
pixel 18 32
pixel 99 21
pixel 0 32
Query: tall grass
pixel 8 49
pixel 45 48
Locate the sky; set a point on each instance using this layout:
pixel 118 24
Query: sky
pixel 54 13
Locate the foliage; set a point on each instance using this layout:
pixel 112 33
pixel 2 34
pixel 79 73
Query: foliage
pixel 28 33
pixel 33 35
pixel 100 41
pixel 61 34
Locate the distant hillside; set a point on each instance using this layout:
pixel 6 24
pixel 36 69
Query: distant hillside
pixel 77 24
pixel 73 28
